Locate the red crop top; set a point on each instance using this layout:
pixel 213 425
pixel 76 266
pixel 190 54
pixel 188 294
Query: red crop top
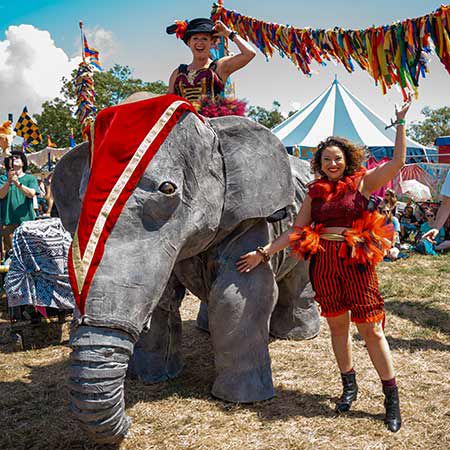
pixel 337 204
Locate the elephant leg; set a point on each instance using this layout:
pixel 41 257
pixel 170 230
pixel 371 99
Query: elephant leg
pixel 295 315
pixel 239 309
pixel 157 354
pixel 202 321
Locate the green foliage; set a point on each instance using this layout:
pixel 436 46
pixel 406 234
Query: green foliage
pixel 435 124
pixel 111 87
pixel 56 120
pixel 270 118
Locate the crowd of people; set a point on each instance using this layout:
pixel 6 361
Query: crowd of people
pixel 411 222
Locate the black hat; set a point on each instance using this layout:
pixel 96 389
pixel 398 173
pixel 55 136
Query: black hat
pixel 186 29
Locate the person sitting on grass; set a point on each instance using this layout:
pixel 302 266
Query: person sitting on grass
pixel 408 224
pixel 390 199
pixel 386 210
pixel 431 247
pixel 443 213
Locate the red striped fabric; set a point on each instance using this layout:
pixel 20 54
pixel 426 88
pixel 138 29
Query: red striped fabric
pixel 342 287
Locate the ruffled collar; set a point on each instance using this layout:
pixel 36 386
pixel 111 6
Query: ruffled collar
pixel 328 190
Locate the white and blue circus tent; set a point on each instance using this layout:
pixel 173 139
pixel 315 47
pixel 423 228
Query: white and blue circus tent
pixel 337 112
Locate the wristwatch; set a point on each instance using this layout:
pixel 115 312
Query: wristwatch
pixel 232 35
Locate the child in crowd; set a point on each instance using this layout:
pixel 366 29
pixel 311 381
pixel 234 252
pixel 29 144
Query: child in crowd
pixel 408 223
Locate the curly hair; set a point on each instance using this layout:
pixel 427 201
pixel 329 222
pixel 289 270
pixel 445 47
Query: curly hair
pixel 354 154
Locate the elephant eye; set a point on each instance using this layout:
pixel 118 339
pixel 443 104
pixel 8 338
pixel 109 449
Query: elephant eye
pixel 167 188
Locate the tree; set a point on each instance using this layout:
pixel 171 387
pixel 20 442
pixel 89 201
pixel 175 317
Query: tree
pixel 435 124
pixel 270 118
pixel 56 121
pixel 111 87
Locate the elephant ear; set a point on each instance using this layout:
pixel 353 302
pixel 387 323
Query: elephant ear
pixel 257 172
pixel 69 183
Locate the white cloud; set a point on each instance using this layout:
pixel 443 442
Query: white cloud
pixel 103 41
pixel 31 69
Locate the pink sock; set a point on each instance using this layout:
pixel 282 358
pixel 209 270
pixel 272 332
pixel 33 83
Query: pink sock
pixel 389 383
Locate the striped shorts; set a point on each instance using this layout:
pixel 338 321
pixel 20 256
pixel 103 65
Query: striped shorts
pixel 342 287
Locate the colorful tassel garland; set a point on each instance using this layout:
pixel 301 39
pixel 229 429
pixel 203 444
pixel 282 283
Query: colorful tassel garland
pixel 392 54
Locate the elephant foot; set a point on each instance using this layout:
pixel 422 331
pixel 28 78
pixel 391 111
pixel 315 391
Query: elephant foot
pixel 202 318
pixel 244 387
pixel 153 367
pixel 296 320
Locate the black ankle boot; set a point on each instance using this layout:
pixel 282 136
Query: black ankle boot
pixel 349 392
pixel 392 419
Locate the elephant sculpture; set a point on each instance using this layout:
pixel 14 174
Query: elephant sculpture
pixel 227 177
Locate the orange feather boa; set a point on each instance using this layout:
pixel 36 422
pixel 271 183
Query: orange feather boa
pixel 332 190
pixel 365 243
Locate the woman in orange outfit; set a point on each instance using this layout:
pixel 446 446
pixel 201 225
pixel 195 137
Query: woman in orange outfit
pixel 345 241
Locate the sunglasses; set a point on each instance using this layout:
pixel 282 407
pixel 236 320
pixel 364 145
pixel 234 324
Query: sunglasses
pixel 429 215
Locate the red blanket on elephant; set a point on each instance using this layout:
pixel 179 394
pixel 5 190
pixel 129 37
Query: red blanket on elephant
pixel 125 140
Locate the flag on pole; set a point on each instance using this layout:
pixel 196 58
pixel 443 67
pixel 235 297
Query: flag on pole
pixel 50 143
pixel 91 54
pixel 27 129
pixel 71 139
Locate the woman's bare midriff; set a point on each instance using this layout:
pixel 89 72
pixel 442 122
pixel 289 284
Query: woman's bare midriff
pixel 334 230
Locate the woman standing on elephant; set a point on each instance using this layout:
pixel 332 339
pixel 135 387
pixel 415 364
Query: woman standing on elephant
pixel 344 242
pixel 203 77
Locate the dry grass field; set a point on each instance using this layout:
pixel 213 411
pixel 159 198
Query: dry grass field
pixel 181 414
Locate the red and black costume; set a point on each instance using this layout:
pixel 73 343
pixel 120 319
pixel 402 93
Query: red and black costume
pixel 342 267
pixel 198 84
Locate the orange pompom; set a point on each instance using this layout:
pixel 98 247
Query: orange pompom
pixel 368 239
pixel 305 241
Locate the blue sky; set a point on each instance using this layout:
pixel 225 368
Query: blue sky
pixel 139 40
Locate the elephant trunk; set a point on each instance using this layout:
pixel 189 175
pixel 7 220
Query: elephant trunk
pixel 99 363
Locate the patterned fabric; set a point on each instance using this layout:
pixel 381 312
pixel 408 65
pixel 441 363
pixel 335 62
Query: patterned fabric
pixel 38 272
pixel 27 129
pixel 342 287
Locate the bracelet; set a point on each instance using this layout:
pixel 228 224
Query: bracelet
pixel 396 123
pixel 263 253
pixel 232 35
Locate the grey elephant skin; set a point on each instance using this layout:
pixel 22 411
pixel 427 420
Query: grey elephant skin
pixel 230 174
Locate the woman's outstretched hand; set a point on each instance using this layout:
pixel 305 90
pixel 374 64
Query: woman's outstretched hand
pixel 401 113
pixel 249 261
